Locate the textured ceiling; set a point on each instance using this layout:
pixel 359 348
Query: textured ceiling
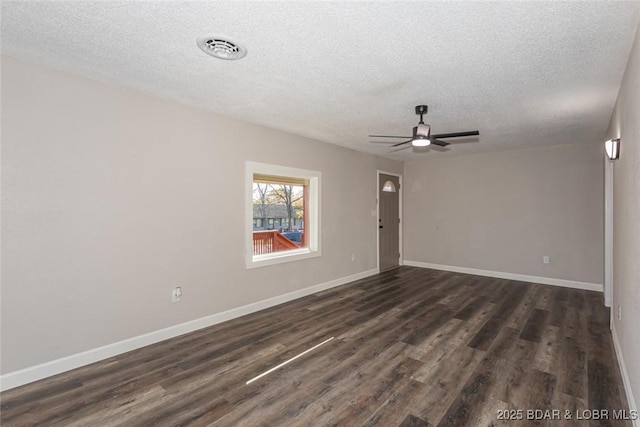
pixel 522 73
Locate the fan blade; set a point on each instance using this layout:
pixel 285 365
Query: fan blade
pixel 438 142
pixel 402 148
pixel 401 143
pixel 439 148
pixel 381 142
pixel 388 136
pixel 456 134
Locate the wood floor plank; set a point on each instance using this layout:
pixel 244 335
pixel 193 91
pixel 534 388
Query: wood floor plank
pixel 573 380
pixel 535 325
pixel 522 311
pixel 411 347
pixel 558 312
pixel 444 384
pixel 471 308
pixel 377 391
pixel 483 339
pixel 499 377
pixel 571 406
pixel 468 407
pixel 513 369
pixel 537 396
pixel 431 323
pixel 545 297
pixel 396 410
pixel 549 351
pixel 413 421
pixel 604 392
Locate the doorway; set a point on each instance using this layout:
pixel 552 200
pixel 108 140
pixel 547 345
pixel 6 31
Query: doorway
pixel 388 221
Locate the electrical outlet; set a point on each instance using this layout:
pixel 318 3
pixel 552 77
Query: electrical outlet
pixel 176 295
pixel 545 259
pixel 619 312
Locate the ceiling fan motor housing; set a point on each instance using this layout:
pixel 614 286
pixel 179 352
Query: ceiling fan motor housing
pixel 422 130
pixel 421 135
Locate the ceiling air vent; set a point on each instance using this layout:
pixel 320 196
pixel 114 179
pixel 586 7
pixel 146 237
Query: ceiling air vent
pixel 221 47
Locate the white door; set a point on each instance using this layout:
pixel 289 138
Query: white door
pixel 389 221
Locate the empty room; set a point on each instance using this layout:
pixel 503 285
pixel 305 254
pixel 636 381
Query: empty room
pixel 310 213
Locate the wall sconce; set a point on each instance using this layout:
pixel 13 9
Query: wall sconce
pixel 612 147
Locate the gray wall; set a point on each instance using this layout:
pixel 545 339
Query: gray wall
pixel 504 211
pixel 625 123
pixel 110 198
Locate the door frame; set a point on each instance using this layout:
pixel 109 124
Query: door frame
pixel 400 225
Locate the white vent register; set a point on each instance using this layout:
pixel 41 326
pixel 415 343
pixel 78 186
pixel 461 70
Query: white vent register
pixel 221 47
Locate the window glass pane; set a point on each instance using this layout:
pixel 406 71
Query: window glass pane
pixel 279 200
pixel 389 187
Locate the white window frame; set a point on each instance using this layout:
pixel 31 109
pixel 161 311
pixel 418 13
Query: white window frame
pixel 312 229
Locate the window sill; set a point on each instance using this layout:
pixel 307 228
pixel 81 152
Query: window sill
pixel 281 257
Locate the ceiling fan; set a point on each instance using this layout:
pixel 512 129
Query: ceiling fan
pixel 422 136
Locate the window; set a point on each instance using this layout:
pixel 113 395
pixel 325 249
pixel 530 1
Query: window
pixel 389 187
pixel 286 201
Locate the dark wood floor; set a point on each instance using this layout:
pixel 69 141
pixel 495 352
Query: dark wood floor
pixel 412 347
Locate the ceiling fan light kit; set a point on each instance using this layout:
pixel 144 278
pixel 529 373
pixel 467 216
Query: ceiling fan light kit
pixel 422 134
pixel 420 141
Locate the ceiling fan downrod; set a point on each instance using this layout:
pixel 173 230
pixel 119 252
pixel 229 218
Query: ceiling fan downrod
pixel 421 110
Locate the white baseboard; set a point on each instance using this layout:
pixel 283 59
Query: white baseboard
pixel 625 376
pixel 54 367
pixel 511 276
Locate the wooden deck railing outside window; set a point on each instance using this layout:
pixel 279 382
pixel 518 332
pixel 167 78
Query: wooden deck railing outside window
pixel 266 242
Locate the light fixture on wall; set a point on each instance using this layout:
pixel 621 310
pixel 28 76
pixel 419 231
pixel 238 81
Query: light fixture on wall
pixel 612 147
